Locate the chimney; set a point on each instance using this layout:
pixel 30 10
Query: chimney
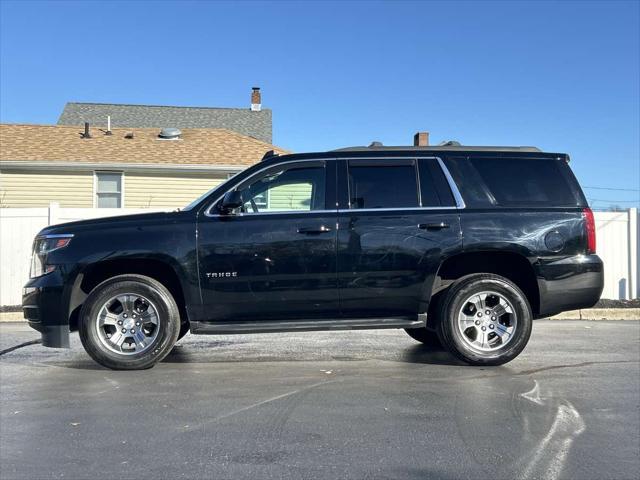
pixel 87 133
pixel 256 100
pixel 421 139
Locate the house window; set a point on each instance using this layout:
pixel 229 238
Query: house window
pixel 109 189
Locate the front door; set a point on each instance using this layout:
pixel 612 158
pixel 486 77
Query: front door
pixel 397 221
pixel 274 257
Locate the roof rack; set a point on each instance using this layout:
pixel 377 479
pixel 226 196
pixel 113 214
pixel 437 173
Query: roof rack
pixel 449 146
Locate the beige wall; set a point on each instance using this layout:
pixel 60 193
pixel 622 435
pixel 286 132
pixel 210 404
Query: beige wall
pixel 38 188
pixel 143 190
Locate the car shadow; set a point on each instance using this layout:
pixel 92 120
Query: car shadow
pixel 430 355
pixel 419 354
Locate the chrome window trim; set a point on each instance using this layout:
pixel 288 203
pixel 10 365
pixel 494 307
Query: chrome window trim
pixel 452 185
pixel 284 212
pixel 400 209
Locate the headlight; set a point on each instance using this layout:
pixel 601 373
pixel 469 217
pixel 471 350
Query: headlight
pixel 42 246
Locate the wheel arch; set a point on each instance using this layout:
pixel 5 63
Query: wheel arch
pixel 93 274
pixel 512 265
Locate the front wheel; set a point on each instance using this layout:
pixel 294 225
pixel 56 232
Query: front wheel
pixel 129 322
pixel 485 320
pixel 428 337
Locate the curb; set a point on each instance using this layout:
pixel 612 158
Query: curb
pixel 586 314
pixel 12 317
pixel 600 314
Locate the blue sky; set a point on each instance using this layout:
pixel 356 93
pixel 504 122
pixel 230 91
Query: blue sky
pixel 563 76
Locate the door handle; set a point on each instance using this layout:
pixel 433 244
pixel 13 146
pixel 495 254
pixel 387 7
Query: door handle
pixel 433 226
pixel 314 230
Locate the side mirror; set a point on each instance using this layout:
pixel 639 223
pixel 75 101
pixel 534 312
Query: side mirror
pixel 231 201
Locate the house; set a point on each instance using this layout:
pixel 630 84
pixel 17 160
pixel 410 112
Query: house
pixel 252 122
pixel 130 156
pixel 118 168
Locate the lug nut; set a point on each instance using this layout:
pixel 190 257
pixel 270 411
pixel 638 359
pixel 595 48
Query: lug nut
pixel 119 322
pixel 124 330
pixel 484 328
pixel 477 322
pixel 125 315
pixel 137 324
pixel 132 330
pixel 493 318
pixel 487 312
pixel 492 327
pixel 479 314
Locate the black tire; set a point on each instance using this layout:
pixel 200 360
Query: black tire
pixel 452 337
pixel 167 314
pixel 428 337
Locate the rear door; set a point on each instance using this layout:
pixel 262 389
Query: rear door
pixel 397 220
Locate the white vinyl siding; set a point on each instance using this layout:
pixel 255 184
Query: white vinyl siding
pixel 290 197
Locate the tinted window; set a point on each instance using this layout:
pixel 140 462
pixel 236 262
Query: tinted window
pixel 522 181
pixel 382 186
pixel 433 185
pixel 285 190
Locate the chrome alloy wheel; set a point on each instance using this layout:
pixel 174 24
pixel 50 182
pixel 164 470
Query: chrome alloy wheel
pixel 128 324
pixel 487 321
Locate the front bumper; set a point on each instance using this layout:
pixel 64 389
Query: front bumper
pixel 570 283
pixel 45 307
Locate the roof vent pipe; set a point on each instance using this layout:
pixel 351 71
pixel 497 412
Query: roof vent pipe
pixel 108 132
pixel 87 133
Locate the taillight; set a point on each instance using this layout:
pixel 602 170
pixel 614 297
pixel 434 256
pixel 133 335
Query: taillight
pixel 590 230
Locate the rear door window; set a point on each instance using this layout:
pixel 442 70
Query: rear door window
pixel 377 184
pixel 434 187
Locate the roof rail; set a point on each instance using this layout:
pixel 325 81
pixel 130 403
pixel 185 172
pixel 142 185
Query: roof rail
pixel 269 154
pixel 448 147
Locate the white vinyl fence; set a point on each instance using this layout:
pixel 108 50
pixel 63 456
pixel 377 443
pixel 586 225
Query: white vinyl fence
pixel 617 237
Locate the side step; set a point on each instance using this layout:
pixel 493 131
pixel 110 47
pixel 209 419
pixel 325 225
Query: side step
pixel 201 328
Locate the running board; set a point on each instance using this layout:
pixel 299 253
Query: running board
pixel 202 328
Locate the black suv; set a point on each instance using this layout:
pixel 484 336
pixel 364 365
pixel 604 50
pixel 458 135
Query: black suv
pixel 461 246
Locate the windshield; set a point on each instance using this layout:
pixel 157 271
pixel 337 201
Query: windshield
pixel 206 194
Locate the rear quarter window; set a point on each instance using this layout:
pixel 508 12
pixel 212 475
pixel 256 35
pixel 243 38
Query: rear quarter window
pixel 517 182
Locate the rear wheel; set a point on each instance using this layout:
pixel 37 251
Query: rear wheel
pixel 129 322
pixel 485 319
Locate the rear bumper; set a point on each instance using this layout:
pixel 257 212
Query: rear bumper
pixel 45 307
pixel 569 284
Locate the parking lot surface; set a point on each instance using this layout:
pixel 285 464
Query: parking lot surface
pixel 361 404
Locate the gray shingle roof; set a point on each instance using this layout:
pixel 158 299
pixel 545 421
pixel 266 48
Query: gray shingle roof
pixel 243 121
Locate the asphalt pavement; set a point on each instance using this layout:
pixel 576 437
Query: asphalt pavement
pixel 330 405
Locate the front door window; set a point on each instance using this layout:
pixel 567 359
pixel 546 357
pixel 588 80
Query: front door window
pixel 294 189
